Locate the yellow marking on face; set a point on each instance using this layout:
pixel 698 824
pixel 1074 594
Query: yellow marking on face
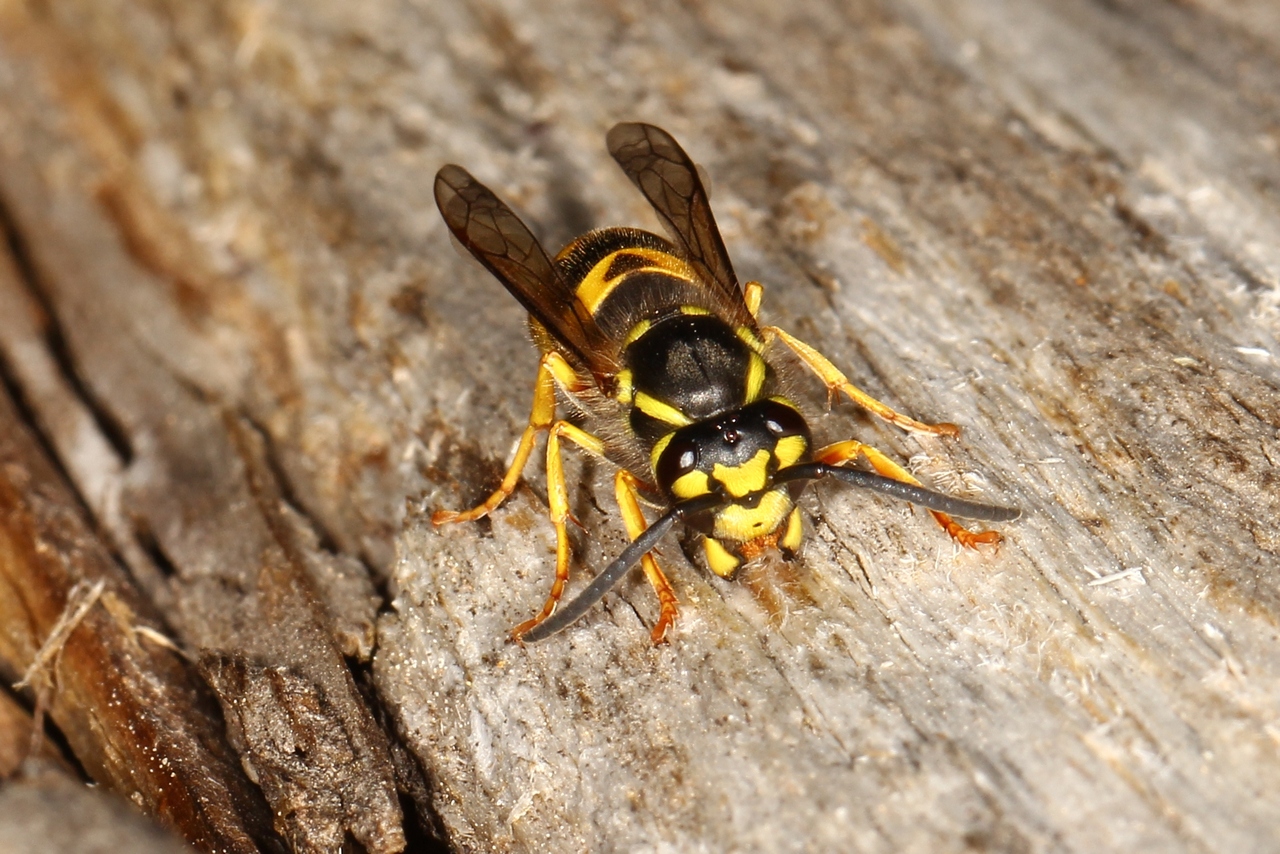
pixel 664 412
pixel 693 309
pixel 757 371
pixel 625 389
pixel 691 485
pixel 721 561
pixel 795 532
pixel 738 524
pixel 658 448
pixel 596 286
pixel 750 338
pixel 789 450
pixel 636 331
pixel 746 478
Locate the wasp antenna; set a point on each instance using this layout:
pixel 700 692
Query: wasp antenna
pixel 614 572
pixel 917 495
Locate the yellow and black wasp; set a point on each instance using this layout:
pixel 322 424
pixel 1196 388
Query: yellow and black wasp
pixel 656 338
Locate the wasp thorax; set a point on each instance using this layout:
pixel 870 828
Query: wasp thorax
pixel 687 368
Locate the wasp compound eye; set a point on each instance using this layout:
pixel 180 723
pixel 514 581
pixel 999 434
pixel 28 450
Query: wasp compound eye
pixel 782 420
pixel 679 458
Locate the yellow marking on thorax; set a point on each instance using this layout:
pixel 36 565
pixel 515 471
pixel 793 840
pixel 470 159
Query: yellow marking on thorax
pixel 664 412
pixel 750 339
pixel 595 288
pixel 636 331
pixel 746 478
pixel 738 524
pixel 757 372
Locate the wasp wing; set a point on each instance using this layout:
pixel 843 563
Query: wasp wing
pixel 656 163
pixel 500 241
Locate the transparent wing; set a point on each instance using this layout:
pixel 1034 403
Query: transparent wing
pixel 507 248
pixel 656 163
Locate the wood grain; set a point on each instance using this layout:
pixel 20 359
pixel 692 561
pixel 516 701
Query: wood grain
pixel 1054 224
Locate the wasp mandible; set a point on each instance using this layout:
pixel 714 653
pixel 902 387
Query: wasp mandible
pixel 656 339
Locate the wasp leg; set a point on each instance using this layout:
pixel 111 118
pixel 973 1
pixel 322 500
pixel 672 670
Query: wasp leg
pixel 752 292
pixel 551 370
pixel 842 452
pixel 558 501
pixel 837 381
pixel 625 486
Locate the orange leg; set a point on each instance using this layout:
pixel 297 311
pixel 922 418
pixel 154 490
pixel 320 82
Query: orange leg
pixel 558 503
pixel 625 486
pixel 842 452
pixel 837 381
pixel 553 370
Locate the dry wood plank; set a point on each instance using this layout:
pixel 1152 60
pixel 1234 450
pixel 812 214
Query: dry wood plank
pixel 1108 680
pixel 180 480
pixel 132 710
pixel 1052 223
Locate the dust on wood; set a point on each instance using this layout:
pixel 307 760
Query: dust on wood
pixel 249 346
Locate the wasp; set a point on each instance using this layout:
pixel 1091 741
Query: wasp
pixel 655 339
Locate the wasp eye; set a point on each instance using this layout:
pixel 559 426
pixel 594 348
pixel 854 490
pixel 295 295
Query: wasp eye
pixel 679 458
pixel 781 420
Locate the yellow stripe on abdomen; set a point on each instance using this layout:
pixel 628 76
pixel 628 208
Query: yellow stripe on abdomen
pixel 596 286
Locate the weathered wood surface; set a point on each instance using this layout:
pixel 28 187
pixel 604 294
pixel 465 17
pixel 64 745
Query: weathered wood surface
pixel 51 811
pixel 135 715
pixel 1055 224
